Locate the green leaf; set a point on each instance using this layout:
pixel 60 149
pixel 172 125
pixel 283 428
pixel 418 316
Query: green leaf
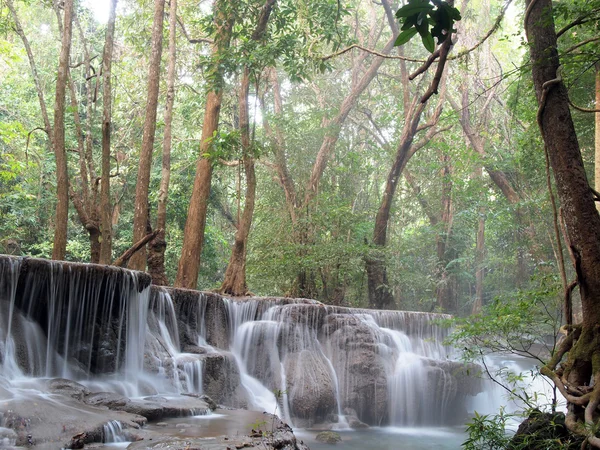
pixel 428 41
pixel 405 36
pixel 413 8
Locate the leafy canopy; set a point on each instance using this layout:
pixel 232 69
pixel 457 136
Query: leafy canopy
pixel 419 15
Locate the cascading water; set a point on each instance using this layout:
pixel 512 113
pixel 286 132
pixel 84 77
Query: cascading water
pixel 307 362
pixel 113 432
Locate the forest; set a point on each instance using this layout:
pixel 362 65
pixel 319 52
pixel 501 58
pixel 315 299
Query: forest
pixel 416 156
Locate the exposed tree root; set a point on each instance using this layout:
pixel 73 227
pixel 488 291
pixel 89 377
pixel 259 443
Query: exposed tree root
pixel 582 347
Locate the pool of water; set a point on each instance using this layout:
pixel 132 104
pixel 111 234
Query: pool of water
pixel 391 438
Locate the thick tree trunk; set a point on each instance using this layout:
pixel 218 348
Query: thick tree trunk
pixel 597 134
pixel 157 247
pixel 193 236
pixel 105 209
pixel 577 201
pixel 59 249
pixel 581 218
pixel 140 217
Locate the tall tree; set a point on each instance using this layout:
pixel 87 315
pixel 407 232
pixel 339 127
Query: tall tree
pixel 105 208
pixel 235 275
pixel 60 153
pixel 193 237
pixel 140 217
pixel 158 245
pixel 363 72
pixel 582 223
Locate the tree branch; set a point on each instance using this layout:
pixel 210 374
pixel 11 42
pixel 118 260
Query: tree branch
pixel 122 260
pixel 372 52
pixel 187 36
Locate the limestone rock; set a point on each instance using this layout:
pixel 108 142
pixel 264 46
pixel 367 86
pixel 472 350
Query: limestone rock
pixel 311 389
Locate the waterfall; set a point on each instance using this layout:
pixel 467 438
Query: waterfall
pixel 113 432
pixel 309 363
pixel 71 320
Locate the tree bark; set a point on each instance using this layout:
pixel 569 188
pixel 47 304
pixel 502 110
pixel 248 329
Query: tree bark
pixel 193 236
pixel 234 282
pixel 105 209
pixel 157 247
pixel 140 217
pixel 597 135
pixel 479 254
pixel 380 294
pixel 581 218
pixel 59 249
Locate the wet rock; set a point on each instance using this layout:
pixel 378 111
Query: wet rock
pixel 194 349
pixel 222 380
pixel 201 313
pixel 328 437
pixel 364 384
pixel 311 390
pixel 66 387
pixel 108 399
pixel 543 430
pixel 355 423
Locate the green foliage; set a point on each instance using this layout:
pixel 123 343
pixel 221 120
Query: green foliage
pixel 515 323
pixel 487 432
pixel 419 15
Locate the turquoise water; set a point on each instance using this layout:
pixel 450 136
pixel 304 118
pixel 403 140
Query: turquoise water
pixel 391 438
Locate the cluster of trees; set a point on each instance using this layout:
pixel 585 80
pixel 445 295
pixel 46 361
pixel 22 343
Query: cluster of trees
pixel 286 147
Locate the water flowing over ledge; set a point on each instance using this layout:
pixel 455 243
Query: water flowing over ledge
pixel 311 364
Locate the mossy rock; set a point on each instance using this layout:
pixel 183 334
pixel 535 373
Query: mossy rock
pixel 544 431
pixel 329 437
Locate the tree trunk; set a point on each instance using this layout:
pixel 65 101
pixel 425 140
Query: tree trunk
pixel 479 255
pixel 34 72
pixel 380 294
pixel 234 282
pixel 157 247
pixel 597 135
pixel 580 216
pixel 444 291
pixel 59 249
pixel 105 209
pixel 193 235
pixel 140 217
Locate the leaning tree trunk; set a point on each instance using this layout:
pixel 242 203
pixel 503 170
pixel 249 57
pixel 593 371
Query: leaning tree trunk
pixel 140 217
pixel 105 209
pixel 59 249
pixel 581 220
pixel 380 294
pixel 158 245
pixel 193 235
